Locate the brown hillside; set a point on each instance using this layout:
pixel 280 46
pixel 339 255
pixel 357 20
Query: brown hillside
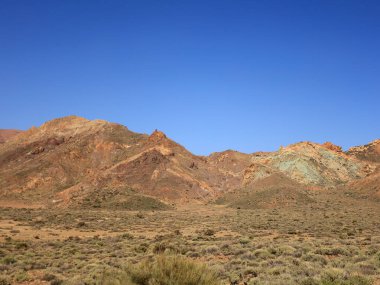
pixel 366 188
pixel 368 152
pixel 73 161
pixel 8 134
pixel 67 159
pixel 273 191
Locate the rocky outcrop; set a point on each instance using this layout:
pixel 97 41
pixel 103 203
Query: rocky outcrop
pixel 308 163
pixel 157 136
pixel 369 152
pixel 332 147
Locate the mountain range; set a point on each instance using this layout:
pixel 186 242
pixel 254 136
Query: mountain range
pixel 75 162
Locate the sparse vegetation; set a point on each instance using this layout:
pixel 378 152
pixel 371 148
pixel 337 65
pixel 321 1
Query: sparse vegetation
pixel 296 245
pixel 163 269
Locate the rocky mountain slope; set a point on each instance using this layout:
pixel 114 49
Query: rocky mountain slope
pixel 7 134
pixel 73 161
pixel 310 164
pixel 368 152
pixel 369 186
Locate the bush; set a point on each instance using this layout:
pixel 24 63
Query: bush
pixel 8 260
pixel 328 280
pixel 163 270
pixel 21 245
pixel 4 280
pixel 209 232
pixel 353 280
pixel 331 251
pixel 160 248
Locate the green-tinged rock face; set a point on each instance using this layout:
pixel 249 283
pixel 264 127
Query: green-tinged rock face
pixel 309 164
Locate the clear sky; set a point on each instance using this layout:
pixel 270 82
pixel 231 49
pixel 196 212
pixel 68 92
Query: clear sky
pixel 213 75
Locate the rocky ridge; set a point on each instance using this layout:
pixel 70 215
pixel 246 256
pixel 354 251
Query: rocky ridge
pixel 6 135
pixel 73 161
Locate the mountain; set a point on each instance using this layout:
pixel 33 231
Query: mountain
pixel 75 162
pixel 369 152
pixel 367 187
pixel 293 175
pixel 7 134
pixel 272 191
pixel 308 163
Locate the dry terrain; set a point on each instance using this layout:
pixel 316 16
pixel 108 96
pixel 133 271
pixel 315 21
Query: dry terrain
pixel 91 202
pixel 7 134
pixel 335 238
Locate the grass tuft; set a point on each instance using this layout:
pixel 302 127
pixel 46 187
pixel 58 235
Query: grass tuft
pixel 163 270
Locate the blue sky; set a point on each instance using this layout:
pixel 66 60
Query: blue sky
pixel 213 75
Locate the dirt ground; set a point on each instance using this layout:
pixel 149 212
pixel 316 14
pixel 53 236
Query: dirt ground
pixel 258 246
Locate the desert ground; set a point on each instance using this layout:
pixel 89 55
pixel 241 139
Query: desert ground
pixel 333 241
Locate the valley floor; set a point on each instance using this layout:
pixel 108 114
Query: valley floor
pixel 334 239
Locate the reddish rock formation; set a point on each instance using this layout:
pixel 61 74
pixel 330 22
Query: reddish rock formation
pixel 332 146
pixel 74 161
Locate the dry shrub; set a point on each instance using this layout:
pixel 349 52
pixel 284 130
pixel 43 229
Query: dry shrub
pixel 164 270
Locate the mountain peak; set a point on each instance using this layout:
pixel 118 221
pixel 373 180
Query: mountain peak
pixel 157 136
pixel 369 152
pixel 64 122
pixel 332 147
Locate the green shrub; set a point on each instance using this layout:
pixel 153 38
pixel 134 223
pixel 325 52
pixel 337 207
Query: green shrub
pixel 21 245
pixel 160 247
pixel 244 241
pixel 22 276
pixel 329 280
pixel 163 270
pixel 8 260
pixel 331 251
pixel 309 281
pixel 354 280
